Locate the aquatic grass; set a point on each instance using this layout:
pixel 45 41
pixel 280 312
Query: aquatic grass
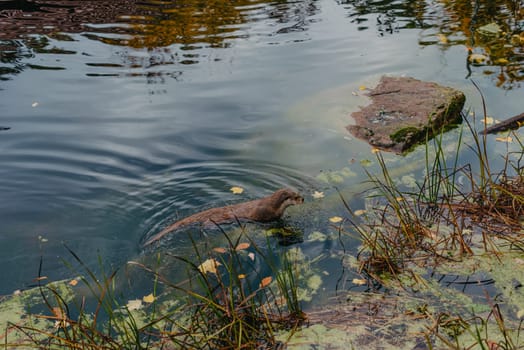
pixel 226 304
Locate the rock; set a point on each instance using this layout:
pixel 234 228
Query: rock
pixel 404 110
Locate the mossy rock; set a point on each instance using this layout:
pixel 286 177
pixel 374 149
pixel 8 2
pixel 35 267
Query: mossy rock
pixel 405 112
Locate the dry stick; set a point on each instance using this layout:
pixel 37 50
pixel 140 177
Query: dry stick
pixel 508 124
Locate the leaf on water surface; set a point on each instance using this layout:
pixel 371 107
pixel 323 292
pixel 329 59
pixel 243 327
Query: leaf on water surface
pixel 134 304
pixel 359 281
pixel 442 38
pixel 489 120
pixel 241 276
pixel 236 190
pixel 242 246
pixel 265 281
pixel 507 139
pixel 251 256
pixel 359 212
pixel 335 219
pixel 149 298
pixel 375 150
pixel 73 282
pixel 34 104
pixel 477 58
pixel 318 194
pixel 501 61
pixel 365 162
pixel 362 87
pixel 220 250
pixel 210 265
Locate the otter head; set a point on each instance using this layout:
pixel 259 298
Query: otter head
pixel 284 198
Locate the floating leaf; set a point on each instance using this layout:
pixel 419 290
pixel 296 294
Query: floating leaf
pixel 134 304
pixel 359 212
pixel 359 281
pixel 220 250
pixel 477 58
pixel 251 256
pixel 504 139
pixel 375 150
pixel 265 281
pixel 34 104
pixel 149 298
pixel 236 190
pixel 362 87
pixel 73 282
pixel 318 194
pixel 489 120
pixel 366 162
pixel 242 246
pixel 210 265
pixel 354 93
pixel 241 276
pixel 442 38
pixel 501 61
pixel 335 219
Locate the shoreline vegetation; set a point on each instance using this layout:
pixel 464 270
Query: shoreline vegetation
pixel 460 220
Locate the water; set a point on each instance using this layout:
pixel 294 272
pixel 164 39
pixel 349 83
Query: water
pixel 124 115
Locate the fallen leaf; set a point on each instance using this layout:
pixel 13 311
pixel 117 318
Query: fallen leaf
pixel 318 194
pixel 501 61
pixel 134 304
pixel 265 281
pixel 504 139
pixel 359 212
pixel 73 282
pixel 359 281
pixel 354 93
pixel 220 250
pixel 362 87
pixel 57 312
pixel 489 120
pixel 149 298
pixel 251 256
pixel 210 265
pixel 34 104
pixel 442 38
pixel 335 219
pixel 241 276
pixel 375 150
pixel 236 190
pixel 242 246
pixel 40 278
pixel 477 58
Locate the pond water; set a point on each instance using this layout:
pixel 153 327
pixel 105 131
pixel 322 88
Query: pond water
pixel 120 116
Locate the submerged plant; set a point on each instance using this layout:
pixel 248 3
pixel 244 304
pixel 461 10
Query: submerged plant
pixel 225 303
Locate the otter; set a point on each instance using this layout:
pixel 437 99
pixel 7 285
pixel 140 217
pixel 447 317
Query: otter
pixel 265 209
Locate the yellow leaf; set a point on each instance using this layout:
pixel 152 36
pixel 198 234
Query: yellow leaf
pixel 335 219
pixel 73 282
pixel 359 281
pixel 477 58
pixel 220 250
pixel 210 265
pixel 442 38
pixel 236 190
pixel 134 304
pixel 242 246
pixel 489 120
pixel 265 281
pixel 504 139
pixel 362 87
pixel 375 150
pixel 318 194
pixel 149 298
pixel 241 276
pixel 501 61
pixel 359 212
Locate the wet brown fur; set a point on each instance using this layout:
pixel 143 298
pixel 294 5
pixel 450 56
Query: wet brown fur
pixel 265 209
